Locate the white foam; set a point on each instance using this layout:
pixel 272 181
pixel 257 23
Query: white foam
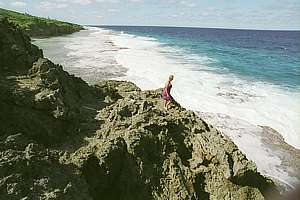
pixel 200 88
pixel 88 54
pixel 197 88
pixel 248 138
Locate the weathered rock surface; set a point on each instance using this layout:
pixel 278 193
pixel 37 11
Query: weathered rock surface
pixel 63 139
pixel 16 52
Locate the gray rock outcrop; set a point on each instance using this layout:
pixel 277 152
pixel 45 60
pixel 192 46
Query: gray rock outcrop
pixel 63 139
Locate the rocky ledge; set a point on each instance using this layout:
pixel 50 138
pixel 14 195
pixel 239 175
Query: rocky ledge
pixel 63 139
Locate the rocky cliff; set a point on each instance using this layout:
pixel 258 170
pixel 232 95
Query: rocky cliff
pixel 63 139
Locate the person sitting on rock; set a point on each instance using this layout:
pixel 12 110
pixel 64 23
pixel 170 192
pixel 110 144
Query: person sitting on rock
pixel 166 92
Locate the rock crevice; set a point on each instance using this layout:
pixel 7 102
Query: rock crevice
pixel 63 139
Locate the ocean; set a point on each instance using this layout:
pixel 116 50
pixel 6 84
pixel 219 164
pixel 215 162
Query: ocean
pixel 238 80
pixel 264 56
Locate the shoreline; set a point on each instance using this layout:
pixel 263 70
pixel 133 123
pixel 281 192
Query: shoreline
pixel 109 42
pixel 231 95
pixel 65 139
pixel 272 155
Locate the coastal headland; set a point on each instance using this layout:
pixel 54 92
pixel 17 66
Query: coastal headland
pixel 61 138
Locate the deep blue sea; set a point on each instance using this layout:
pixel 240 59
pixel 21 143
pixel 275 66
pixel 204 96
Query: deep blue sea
pixel 260 55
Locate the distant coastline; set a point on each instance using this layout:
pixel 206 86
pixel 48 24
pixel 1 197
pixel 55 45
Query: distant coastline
pixel 38 26
pixel 192 27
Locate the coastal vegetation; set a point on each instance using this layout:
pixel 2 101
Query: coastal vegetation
pixel 38 26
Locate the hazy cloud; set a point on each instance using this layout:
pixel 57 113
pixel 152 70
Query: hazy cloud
pixel 113 10
pixel 82 2
pixel 47 5
pixel 135 1
pixel 188 3
pixel 18 4
pixel 87 2
pixel 270 14
pixel 108 1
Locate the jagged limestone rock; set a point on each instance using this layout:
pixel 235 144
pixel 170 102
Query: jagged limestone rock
pixel 63 139
pixel 16 52
pixel 167 155
pixel 30 171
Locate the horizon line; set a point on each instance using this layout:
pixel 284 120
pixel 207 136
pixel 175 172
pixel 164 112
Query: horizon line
pixel 170 26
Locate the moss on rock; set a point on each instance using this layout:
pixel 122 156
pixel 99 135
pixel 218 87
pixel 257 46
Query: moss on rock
pixel 63 139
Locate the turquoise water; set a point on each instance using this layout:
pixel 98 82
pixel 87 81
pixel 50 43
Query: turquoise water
pixel 248 75
pixel 235 79
pixel 264 56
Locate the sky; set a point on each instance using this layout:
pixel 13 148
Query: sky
pixel 244 14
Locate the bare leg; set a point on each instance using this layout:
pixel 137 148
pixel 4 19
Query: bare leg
pixel 168 103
